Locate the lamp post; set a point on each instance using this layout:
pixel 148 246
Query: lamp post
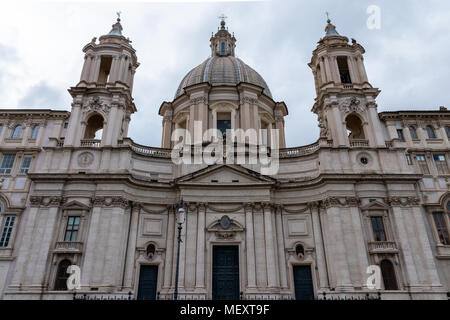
pixel 180 221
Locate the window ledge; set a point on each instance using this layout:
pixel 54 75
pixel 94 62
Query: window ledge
pixel 436 140
pixel 12 140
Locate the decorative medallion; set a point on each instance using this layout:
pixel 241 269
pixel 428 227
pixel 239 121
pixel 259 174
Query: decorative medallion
pixel 225 222
pixel 85 159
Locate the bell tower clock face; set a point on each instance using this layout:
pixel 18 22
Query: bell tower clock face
pixel 85 159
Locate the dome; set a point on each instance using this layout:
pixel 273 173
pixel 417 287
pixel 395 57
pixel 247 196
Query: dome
pixel 219 70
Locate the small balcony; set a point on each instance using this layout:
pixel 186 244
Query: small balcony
pixel 359 143
pixel 383 247
pixel 68 247
pixel 93 143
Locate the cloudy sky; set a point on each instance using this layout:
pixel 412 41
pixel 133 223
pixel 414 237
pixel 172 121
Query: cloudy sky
pixel 408 58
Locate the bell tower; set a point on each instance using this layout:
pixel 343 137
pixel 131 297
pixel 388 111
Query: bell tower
pixel 345 103
pixel 102 100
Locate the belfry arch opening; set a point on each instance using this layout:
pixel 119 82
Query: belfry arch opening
pixel 355 128
pixel 94 127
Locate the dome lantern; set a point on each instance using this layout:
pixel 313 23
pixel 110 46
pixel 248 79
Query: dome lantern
pixel 223 43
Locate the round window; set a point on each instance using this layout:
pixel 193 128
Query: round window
pixel 364 160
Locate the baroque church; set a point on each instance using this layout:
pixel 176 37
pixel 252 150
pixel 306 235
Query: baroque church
pixel 373 190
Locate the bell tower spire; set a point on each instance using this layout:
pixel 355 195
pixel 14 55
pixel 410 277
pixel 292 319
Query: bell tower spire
pixel 345 102
pixel 102 99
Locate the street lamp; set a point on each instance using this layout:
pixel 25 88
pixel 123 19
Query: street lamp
pixel 180 220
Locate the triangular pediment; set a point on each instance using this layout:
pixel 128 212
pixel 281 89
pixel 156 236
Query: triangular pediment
pixel 376 205
pixel 75 205
pixel 225 175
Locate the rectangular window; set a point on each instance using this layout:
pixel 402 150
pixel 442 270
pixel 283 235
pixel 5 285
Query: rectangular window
pixel 7 163
pixel 73 224
pixel 423 164
pixel 409 160
pixel 378 229
pixel 344 71
pixel 441 228
pixel 7 230
pixel 401 136
pixel 26 164
pixel 447 129
pixel 1 129
pixel 441 163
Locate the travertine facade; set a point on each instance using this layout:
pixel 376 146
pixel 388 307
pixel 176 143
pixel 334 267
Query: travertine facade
pixel 373 190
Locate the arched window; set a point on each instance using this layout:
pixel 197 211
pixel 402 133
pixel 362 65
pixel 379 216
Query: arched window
pixel 388 273
pixel 151 251
pixel 222 49
pixel 94 127
pixel 413 133
pixel 355 127
pixel 62 275
pixel 430 132
pixel 34 132
pixel 17 132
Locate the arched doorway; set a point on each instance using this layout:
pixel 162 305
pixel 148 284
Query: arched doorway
pixel 388 273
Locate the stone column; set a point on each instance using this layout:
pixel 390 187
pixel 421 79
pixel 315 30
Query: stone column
pixel 250 246
pixel 85 71
pixel 95 69
pixel 167 130
pixel 322 73
pixel 422 239
pixel 362 69
pixel 335 70
pixel 131 251
pixel 360 252
pixel 26 133
pixel 320 254
pixel 108 130
pixel 74 126
pixel 200 270
pixel 269 242
pixel 378 131
pixel 191 246
pixel 281 247
pixel 87 270
pixel 27 241
pixel 403 239
pixel 168 264
pixel 327 62
pixel 337 244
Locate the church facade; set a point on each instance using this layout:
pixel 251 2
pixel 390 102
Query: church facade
pixel 372 191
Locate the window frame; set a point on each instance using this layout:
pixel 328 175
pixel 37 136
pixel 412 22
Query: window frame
pixel 401 135
pixel 409 160
pixel 13 132
pixel 4 169
pixel 22 169
pixel 441 229
pixel 413 133
pixel 34 132
pixel 441 165
pixel 70 228
pixel 431 132
pixel 8 223
pixel 423 164
pixel 379 218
